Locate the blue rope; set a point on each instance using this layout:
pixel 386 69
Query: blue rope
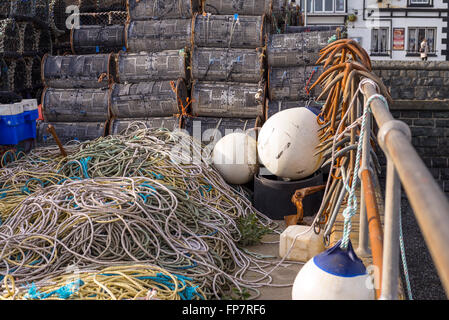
pixel 404 258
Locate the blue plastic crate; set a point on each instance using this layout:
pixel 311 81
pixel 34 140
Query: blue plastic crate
pixel 11 128
pixel 28 130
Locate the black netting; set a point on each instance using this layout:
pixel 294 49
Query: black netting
pixel 9 34
pixel 45 43
pixel 42 10
pixel 3 75
pixel 29 39
pixel 5 7
pixel 20 75
pixel 103 18
pixel 23 8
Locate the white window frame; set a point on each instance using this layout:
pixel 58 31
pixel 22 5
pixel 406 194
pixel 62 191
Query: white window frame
pixel 418 41
pixel 420 2
pixel 311 7
pixel 387 40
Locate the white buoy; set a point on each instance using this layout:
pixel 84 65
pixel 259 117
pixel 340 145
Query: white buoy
pixel 235 157
pixel 335 274
pixel 287 144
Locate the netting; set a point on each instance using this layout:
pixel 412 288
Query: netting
pixel 3 75
pixel 45 42
pixel 21 8
pixel 33 75
pixel 9 33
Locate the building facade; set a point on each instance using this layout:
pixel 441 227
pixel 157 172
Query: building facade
pixel 394 29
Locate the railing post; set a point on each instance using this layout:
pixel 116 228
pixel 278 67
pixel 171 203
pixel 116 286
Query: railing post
pixel 390 272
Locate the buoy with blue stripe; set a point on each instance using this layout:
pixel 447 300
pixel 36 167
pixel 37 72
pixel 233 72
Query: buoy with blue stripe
pixel 336 274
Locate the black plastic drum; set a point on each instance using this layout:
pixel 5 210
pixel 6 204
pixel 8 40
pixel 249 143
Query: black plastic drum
pixel 273 197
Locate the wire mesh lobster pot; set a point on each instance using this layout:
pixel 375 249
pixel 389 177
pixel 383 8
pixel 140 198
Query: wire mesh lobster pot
pixel 16 74
pixel 148 99
pixel 291 83
pixel 98 5
pixel 97 39
pixel 212 129
pixel 23 8
pixel 229 32
pixel 234 65
pixel 121 126
pixel 5 8
pixel 26 38
pixel 228 99
pixel 103 18
pixel 158 35
pixel 45 43
pixel 242 7
pixel 9 34
pixel 41 10
pixel 57 15
pixel 156 9
pixel 274 107
pixel 75 105
pixel 4 84
pixel 78 71
pixel 69 131
pixel 293 49
pixel 147 66
pixel 33 75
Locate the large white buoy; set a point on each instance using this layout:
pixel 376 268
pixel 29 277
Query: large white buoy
pixel 235 157
pixel 287 144
pixel 335 274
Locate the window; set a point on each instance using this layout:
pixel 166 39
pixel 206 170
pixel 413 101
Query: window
pixel 417 35
pixel 379 41
pixel 325 6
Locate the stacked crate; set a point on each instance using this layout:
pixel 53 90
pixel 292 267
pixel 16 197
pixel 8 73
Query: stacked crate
pixel 76 98
pixel 291 69
pixel 228 67
pixel 152 82
pixel 24 39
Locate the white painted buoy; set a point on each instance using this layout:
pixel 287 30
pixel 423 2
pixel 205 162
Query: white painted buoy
pixel 287 144
pixel 235 157
pixel 335 274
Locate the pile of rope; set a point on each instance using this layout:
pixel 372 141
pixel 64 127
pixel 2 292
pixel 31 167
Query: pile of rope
pixel 134 198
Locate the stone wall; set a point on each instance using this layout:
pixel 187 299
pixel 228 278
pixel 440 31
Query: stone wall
pixel 421 99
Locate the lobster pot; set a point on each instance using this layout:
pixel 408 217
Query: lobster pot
pixel 33 75
pixel 235 65
pixel 57 15
pixel 127 125
pixel 45 44
pixel 98 6
pixel 227 100
pixel 293 49
pixel 97 39
pixel 27 38
pixel 103 18
pixel 147 66
pixel 41 10
pixel 158 35
pixel 227 32
pixel 274 107
pixel 21 8
pixel 290 83
pixel 211 130
pixel 4 86
pixel 75 105
pixel 148 99
pixel 83 71
pixel 156 9
pixel 5 8
pixel 9 34
pixel 20 73
pixel 242 7
pixel 69 131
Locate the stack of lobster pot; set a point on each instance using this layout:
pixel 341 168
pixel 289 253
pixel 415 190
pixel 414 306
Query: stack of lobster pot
pixel 228 67
pixel 76 97
pixel 291 69
pixel 152 76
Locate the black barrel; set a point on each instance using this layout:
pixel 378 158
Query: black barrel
pixel 290 83
pixel 118 126
pixel 75 105
pixel 97 39
pixel 148 66
pixel 158 35
pixel 157 9
pixel 228 32
pixel 9 35
pixel 68 131
pixel 234 65
pixel 228 99
pixel 295 49
pixel 273 197
pixel 212 129
pixel 148 99
pixel 78 71
pixel 244 7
